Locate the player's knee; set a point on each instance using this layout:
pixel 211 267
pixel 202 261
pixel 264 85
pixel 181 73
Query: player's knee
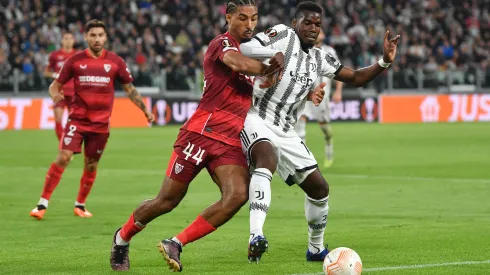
pixel 235 200
pixel 91 165
pixel 63 158
pixel 263 156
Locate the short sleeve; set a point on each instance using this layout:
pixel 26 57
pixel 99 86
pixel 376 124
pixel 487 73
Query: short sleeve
pixel 124 74
pixel 66 72
pixel 224 45
pixel 330 66
pixel 270 37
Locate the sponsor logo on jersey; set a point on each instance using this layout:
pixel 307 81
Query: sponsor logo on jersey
pixel 94 79
pixel 301 78
pixel 83 67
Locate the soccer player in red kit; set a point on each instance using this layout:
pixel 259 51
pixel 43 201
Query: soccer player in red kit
pixel 94 71
pixel 210 139
pixel 56 61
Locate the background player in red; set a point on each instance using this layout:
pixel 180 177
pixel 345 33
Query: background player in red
pixel 94 71
pixel 56 61
pixel 210 139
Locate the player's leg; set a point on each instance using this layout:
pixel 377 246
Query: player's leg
pixel 228 168
pixel 262 157
pixel 316 211
pixel 324 123
pixel 295 156
pixel 94 145
pixel 58 116
pixel 71 143
pixel 180 172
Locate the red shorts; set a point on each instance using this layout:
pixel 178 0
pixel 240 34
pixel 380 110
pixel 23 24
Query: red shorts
pixel 73 137
pixel 64 103
pixel 193 152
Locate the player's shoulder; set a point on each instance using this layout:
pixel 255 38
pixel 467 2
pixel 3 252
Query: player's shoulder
pixel 277 31
pixel 113 57
pixel 77 56
pixel 224 40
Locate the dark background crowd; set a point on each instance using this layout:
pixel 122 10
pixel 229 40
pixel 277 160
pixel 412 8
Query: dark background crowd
pixel 169 37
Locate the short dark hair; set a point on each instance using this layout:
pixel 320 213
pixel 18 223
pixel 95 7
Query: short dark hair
pixel 232 5
pixel 307 6
pixel 67 32
pixel 94 23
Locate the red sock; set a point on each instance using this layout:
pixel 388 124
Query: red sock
pixel 198 229
pixel 52 179
pixel 130 228
pixel 59 130
pixel 86 183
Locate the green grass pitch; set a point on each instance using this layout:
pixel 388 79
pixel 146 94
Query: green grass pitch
pixel 401 195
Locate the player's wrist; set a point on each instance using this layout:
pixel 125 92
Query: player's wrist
pixel 383 64
pixel 55 75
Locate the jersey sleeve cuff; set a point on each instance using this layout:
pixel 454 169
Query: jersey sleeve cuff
pixel 338 69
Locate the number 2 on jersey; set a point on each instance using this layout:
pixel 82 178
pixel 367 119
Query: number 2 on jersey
pixel 71 133
pixel 188 151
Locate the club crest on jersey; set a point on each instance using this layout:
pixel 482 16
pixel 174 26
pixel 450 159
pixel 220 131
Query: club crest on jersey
pixel 67 140
pixel 107 67
pixel 270 32
pixel 178 168
pixel 226 43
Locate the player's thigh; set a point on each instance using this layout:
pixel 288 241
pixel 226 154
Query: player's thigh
pixel 233 181
pixel 258 142
pixel 296 161
pixel 94 145
pixel 72 139
pixel 315 185
pixel 190 156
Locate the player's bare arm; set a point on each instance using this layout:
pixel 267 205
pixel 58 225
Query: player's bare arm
pixel 55 91
pixel 248 66
pixel 337 95
pixel 363 76
pixel 135 97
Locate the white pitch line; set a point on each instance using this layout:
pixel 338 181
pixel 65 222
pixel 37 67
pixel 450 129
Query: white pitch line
pixel 351 176
pixel 420 266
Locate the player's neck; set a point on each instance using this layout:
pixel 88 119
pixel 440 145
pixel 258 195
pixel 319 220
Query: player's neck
pixel 95 54
pixel 236 37
pixel 67 50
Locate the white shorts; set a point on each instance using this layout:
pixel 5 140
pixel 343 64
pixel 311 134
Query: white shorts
pixel 320 113
pixel 295 161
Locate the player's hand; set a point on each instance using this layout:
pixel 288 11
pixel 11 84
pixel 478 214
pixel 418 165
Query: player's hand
pixel 317 95
pixel 149 116
pixel 389 47
pixel 57 96
pixel 276 66
pixel 337 96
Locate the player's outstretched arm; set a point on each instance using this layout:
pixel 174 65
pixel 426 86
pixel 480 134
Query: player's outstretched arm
pixel 248 66
pixel 55 91
pixel 135 97
pixel 363 76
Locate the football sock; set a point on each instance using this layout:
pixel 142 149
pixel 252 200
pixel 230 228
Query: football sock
pixel 43 203
pixel 59 130
pixel 301 129
pixel 52 179
pixel 316 212
pixel 327 132
pixel 260 200
pixel 129 229
pixel 86 183
pixel 199 228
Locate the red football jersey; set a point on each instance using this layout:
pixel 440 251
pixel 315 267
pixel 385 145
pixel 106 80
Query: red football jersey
pixel 56 61
pixel 227 96
pixel 94 87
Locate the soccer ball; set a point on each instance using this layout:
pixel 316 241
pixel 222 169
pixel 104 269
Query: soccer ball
pixel 342 261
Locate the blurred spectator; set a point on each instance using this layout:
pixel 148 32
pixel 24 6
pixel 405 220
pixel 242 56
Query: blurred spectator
pixel 437 35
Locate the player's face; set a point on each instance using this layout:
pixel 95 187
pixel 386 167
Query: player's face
pixel 68 41
pixel 319 40
pixel 308 27
pixel 243 22
pixel 96 38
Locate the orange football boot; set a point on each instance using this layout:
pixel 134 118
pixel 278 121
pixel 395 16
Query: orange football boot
pixel 82 213
pixel 38 214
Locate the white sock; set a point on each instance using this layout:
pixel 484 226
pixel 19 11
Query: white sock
pixel 43 201
pixel 177 241
pixel 79 204
pixel 316 212
pixel 119 240
pixel 260 200
pixel 301 129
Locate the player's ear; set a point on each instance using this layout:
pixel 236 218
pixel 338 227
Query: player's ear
pixel 228 18
pixel 294 23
